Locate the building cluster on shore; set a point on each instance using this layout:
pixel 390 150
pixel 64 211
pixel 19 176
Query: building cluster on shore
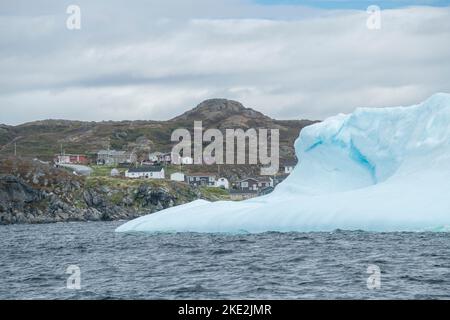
pixel 156 164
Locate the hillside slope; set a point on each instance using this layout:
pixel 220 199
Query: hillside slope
pixel 45 138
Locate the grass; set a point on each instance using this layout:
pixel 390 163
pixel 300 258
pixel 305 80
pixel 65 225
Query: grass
pixel 215 193
pixel 120 182
pixel 101 177
pixel 169 169
pixel 117 198
pixel 96 181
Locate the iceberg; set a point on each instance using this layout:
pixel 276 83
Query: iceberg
pixel 377 169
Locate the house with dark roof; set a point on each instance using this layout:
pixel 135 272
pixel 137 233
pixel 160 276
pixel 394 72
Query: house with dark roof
pixel 159 157
pixel 201 179
pixel 146 172
pixel 114 157
pixel 254 184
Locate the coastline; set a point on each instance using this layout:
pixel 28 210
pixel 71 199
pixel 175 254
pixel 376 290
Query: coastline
pixel 35 193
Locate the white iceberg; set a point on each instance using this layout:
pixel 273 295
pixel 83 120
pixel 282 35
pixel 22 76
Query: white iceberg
pixel 377 169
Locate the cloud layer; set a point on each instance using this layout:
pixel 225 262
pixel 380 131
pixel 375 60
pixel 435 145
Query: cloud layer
pixel 154 59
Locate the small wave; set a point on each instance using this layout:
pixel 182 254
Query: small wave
pixel 191 289
pixel 221 251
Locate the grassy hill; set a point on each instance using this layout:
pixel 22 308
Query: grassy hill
pixel 44 139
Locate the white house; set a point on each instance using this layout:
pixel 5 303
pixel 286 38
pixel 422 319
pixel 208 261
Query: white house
pixel 201 179
pixel 177 176
pixel 148 172
pixel 222 183
pixel 254 184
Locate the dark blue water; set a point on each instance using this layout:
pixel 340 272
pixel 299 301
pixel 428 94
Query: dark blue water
pixel 34 258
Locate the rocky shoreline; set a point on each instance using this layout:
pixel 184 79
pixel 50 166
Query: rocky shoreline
pixel 36 193
pixel 21 203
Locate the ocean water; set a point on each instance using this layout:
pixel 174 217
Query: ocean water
pixel 34 260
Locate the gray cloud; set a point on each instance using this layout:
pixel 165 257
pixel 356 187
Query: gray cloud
pixel 155 59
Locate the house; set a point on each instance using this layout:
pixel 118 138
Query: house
pixel 254 184
pixel 264 182
pixel 115 172
pixel 177 176
pixel 223 183
pixel 288 167
pixel 177 159
pixel 159 157
pixel 249 184
pixel 113 157
pixel 71 159
pixel 167 158
pixel 148 172
pixel 155 157
pixel 201 179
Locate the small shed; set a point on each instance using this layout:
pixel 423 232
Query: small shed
pixel 177 176
pixel 115 172
pixel 222 183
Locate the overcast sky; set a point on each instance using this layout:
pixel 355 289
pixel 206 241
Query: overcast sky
pixel 155 59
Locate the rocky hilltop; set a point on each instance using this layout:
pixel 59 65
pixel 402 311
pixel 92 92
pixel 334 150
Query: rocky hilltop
pixel 222 111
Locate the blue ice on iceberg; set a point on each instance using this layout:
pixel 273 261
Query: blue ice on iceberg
pixel 377 169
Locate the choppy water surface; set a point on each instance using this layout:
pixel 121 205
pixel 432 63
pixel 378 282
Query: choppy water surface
pixel 34 258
